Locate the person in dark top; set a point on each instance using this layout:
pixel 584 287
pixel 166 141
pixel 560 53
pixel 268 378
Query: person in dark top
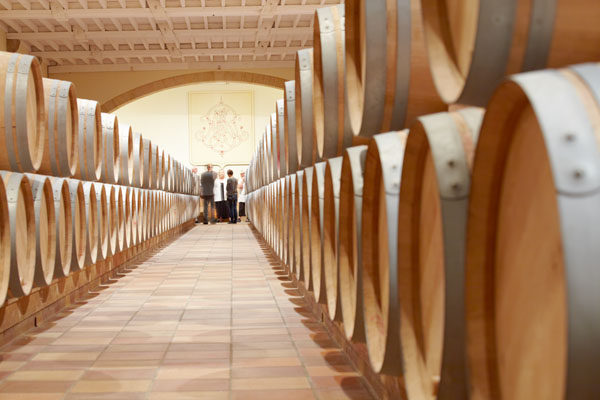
pixel 207 180
pixel 232 185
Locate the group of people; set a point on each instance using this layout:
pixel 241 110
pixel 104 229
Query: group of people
pixel 221 196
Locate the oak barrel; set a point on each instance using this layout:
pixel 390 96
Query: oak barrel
pixel 379 239
pixel 532 277
pixel 64 226
pixel 138 157
pixel 304 108
pixel 78 224
pixel 331 122
pixel 112 219
pixel 23 115
pixel 89 141
pixel 432 224
pixel 350 242
pixel 5 243
pixel 92 231
pixel 306 196
pixel 316 233
pixel 110 148
pixel 45 228
pixel 21 220
pixel 289 122
pixel 298 231
pixel 330 236
pixel 388 79
pixel 126 149
pixel 484 41
pixel 61 151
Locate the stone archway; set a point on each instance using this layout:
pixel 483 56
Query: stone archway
pixel 196 77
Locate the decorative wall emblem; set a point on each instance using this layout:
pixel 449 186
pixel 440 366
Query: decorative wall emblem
pixel 221 127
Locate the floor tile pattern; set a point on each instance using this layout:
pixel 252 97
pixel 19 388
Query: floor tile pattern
pixel 210 316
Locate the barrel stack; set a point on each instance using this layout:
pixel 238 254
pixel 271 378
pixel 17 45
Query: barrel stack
pixel 439 202
pixel 79 190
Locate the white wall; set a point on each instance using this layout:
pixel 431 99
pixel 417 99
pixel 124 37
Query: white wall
pixel 163 117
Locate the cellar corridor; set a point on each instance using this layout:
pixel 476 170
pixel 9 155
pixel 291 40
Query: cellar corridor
pixel 208 316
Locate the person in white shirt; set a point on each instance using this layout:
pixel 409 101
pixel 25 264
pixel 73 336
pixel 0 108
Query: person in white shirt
pixel 242 196
pixel 221 197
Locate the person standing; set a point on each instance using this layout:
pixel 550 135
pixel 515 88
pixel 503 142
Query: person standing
pixel 220 192
pixel 232 186
pixel 207 181
pixel 242 196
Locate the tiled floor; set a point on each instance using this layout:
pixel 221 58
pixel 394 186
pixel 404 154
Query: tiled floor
pixel 208 317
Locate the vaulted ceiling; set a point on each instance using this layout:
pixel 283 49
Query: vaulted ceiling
pixel 124 35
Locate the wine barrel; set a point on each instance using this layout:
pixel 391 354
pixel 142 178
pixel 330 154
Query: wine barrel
pixel 484 41
pixel 5 242
pixel 306 198
pixel 112 219
pixel 63 228
pixel 103 221
pixel 284 204
pixel 433 206
pixel 316 233
pixel 388 79
pixel 126 149
pixel 275 144
pixel 92 231
pixel 110 148
pixel 78 224
pixel 121 218
pixel 23 115
pixel 330 108
pixel 134 210
pixel 281 219
pixel 298 231
pixel 304 108
pixel 138 157
pixel 330 236
pixel 350 245
pixel 161 170
pixel 45 229
pixel 154 168
pixel 61 151
pixel 129 213
pixel 283 145
pixel 141 215
pixel 147 163
pixel 21 215
pixel 289 122
pixel 90 141
pixel 532 278
pixel 380 253
pixel 290 209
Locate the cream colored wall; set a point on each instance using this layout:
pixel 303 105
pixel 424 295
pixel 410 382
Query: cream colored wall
pixel 103 86
pixel 163 117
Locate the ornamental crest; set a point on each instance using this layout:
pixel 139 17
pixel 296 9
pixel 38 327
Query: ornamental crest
pixel 221 129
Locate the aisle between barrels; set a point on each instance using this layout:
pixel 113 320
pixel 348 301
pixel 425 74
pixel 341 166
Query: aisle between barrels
pixel 210 316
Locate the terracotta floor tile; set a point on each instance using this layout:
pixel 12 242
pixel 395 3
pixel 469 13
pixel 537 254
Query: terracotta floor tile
pixel 340 394
pixel 222 395
pixel 267 372
pixel 55 375
pixel 190 385
pixel 111 386
pixel 11 365
pixel 75 356
pixel 193 373
pixel 120 373
pixel 293 394
pixel 32 396
pixel 199 319
pixel 270 383
pixel 35 386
